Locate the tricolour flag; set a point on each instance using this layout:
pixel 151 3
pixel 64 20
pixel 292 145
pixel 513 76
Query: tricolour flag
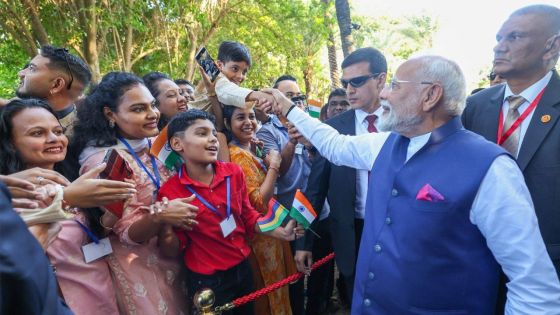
pixel 274 217
pixel 314 108
pixel 162 150
pixel 302 211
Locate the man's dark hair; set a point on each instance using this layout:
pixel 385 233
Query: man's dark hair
pixel 58 58
pixel 182 121
pixel 233 51
pixel 182 81
pixel 336 92
pixel 285 77
pixel 376 60
pixel 152 79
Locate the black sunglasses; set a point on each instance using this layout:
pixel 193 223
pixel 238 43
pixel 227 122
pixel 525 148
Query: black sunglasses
pixel 358 81
pixel 65 53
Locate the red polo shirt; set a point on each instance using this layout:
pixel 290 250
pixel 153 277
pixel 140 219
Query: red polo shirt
pixel 206 249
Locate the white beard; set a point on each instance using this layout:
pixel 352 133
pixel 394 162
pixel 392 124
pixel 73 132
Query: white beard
pixel 392 122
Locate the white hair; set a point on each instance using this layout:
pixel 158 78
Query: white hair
pixel 447 73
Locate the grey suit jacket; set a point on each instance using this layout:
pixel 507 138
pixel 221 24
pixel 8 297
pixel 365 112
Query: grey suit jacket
pixel 338 184
pixel 539 155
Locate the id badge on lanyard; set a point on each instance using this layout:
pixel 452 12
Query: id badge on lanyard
pixel 228 224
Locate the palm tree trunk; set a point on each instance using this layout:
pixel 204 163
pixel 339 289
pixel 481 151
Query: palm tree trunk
pixel 345 26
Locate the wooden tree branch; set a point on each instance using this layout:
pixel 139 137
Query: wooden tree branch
pixel 36 25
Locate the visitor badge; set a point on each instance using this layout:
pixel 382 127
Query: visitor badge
pixel 228 225
pixel 93 251
pixel 299 148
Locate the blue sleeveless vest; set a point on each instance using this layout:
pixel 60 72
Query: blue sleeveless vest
pixel 424 257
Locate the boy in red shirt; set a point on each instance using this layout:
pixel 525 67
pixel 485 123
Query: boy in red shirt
pixel 215 246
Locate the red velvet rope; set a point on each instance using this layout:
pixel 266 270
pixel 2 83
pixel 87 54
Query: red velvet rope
pixel 266 290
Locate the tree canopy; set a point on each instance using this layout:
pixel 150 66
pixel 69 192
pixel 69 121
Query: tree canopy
pixel 164 35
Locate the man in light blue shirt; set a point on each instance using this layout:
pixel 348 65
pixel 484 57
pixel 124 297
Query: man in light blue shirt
pixel 447 210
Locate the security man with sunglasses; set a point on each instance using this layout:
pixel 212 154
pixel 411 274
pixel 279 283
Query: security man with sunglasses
pixel 363 76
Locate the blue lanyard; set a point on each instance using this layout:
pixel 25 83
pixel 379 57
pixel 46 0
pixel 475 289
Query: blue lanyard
pixel 88 232
pixel 155 177
pixel 206 203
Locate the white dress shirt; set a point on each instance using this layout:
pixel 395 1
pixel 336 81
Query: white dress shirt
pixel 502 211
pixel 362 175
pixel 529 94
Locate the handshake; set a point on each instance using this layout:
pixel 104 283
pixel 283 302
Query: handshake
pixel 271 100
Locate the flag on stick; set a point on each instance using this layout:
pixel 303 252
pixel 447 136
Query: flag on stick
pixel 162 151
pixel 274 217
pixel 302 211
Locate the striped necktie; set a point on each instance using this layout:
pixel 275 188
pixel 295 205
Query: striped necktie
pixel 512 142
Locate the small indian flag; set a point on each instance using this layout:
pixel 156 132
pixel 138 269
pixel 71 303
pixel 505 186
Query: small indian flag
pixel 302 211
pixel 273 219
pixel 162 150
pixel 314 108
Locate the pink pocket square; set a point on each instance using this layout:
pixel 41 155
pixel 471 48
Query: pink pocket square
pixel 428 193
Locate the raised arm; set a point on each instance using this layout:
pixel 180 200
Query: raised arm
pixel 353 151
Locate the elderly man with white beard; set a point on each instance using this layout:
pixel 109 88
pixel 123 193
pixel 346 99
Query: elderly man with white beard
pixel 445 208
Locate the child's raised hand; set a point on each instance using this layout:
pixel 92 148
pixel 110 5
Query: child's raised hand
pixel 208 84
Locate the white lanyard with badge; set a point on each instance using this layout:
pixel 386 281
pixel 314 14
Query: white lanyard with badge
pixel 228 224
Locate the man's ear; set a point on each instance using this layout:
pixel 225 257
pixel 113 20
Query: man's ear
pixel 175 144
pixel 433 96
pixel 381 82
pixel 58 85
pixel 552 48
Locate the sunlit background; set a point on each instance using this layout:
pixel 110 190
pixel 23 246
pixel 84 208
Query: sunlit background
pixel 466 29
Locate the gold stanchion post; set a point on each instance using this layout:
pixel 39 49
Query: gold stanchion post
pixel 204 301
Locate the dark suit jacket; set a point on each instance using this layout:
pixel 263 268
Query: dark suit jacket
pixel 338 183
pixel 539 156
pixel 27 284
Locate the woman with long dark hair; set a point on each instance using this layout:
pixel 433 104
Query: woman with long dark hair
pixel 31 137
pixel 121 114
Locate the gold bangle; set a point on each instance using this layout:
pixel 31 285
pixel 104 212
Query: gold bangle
pixel 211 94
pixel 274 168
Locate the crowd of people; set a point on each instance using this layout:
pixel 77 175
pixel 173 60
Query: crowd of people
pixel 433 203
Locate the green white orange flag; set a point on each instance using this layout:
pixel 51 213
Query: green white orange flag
pixel 302 211
pixel 162 151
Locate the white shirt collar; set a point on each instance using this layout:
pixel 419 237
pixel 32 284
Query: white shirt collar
pixel 361 115
pixel 417 143
pixel 530 93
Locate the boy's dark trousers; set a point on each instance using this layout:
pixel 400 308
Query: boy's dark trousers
pixel 227 286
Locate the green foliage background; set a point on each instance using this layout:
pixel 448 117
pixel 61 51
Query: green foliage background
pixel 162 35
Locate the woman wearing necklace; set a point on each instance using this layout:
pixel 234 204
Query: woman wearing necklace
pixel 120 114
pixel 272 259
